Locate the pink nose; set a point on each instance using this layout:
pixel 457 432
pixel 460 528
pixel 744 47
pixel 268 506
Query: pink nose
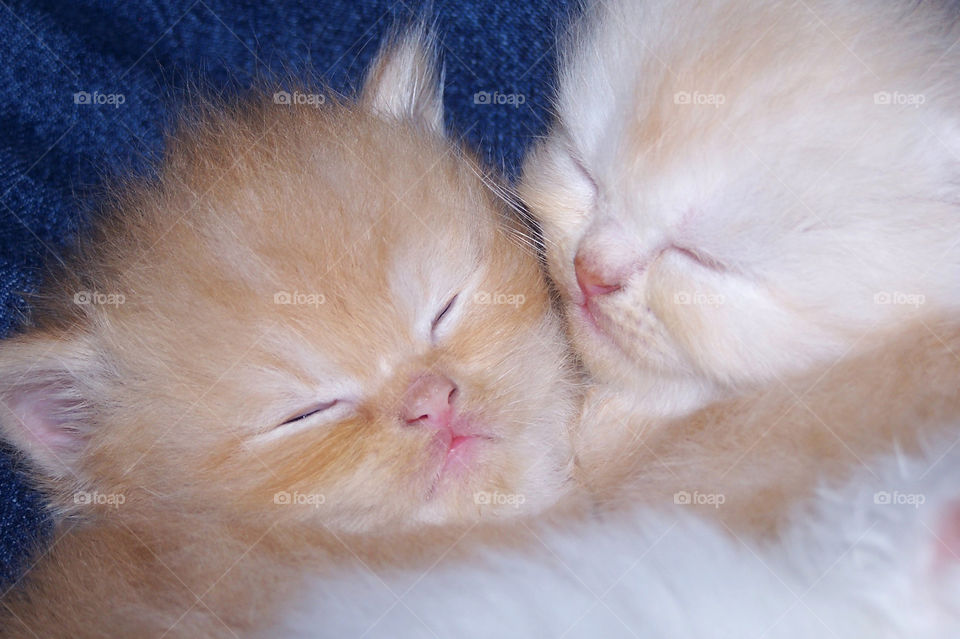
pixel 591 278
pixel 429 401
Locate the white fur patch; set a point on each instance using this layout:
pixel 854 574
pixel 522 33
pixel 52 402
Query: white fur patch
pixel 857 565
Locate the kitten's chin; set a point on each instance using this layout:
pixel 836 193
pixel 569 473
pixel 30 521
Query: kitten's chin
pixel 657 389
pixel 484 479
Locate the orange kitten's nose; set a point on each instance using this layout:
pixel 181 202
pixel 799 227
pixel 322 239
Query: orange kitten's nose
pixel 429 401
pixel 591 278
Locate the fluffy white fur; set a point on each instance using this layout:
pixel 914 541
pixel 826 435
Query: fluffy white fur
pixel 866 560
pixel 769 184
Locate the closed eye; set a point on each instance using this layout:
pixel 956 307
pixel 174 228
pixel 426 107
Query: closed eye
pixel 699 257
pixel 443 313
pixel 309 412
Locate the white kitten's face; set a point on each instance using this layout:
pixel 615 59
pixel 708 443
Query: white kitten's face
pixel 729 212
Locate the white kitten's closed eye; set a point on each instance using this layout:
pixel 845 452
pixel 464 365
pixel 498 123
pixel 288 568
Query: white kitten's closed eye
pixel 579 184
pixel 586 184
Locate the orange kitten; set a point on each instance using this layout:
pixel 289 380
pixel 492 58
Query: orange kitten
pixel 291 339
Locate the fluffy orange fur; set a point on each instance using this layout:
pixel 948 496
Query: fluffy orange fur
pixel 765 451
pixel 287 256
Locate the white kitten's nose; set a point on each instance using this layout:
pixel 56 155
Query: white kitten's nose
pixel 605 259
pixel 591 277
pixel 429 401
pixel 607 256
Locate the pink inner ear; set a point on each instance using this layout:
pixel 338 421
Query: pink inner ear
pixel 948 536
pixel 48 417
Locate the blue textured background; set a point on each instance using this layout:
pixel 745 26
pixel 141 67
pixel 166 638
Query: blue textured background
pixel 53 153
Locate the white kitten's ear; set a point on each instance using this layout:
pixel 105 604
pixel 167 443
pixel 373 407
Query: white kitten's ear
pixel 404 81
pixel 45 408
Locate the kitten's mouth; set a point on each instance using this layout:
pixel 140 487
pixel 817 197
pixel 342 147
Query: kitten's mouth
pixel 456 456
pixel 460 451
pixel 592 316
pixel 597 324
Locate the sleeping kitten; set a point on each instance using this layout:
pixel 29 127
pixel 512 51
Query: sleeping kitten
pixel 737 192
pixel 758 256
pixel 279 351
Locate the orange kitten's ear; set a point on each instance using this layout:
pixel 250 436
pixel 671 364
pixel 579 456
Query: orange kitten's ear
pixel 404 81
pixel 45 409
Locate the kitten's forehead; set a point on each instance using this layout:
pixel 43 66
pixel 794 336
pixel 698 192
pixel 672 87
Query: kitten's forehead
pixel 335 230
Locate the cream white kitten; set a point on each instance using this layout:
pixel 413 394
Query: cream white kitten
pixel 877 558
pixel 735 192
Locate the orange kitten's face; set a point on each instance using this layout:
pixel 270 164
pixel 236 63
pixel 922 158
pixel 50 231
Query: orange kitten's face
pixel 323 317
